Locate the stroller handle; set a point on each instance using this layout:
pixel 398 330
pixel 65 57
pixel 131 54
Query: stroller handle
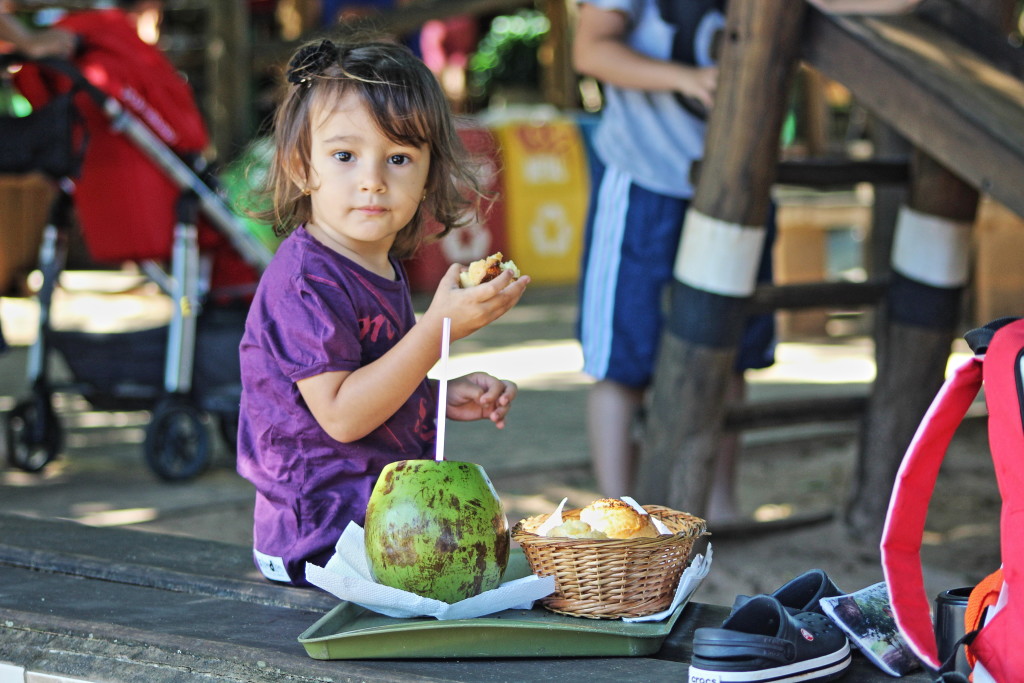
pixel 59 65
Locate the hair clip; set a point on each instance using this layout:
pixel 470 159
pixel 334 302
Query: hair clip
pixel 310 61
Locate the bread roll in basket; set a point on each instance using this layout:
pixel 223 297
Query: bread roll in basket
pixel 611 578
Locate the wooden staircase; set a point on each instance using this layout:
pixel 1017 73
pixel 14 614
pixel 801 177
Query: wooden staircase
pixel 946 82
pixel 946 96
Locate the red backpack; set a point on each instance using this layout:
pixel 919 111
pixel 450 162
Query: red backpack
pixel 999 363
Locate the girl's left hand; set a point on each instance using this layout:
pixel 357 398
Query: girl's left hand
pixel 479 396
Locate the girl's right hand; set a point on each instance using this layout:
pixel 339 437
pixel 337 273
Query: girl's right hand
pixel 475 307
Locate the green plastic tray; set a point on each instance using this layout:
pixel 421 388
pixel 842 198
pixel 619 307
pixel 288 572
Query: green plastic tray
pixel 352 632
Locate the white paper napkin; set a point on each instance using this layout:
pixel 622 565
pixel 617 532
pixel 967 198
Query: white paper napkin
pixel 658 524
pixel 347 576
pixel 553 520
pixel 688 583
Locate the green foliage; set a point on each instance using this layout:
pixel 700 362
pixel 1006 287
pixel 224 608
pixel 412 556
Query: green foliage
pixel 507 54
pixel 877 620
pixel 13 103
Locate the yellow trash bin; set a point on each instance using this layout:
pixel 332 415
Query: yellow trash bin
pixel 546 181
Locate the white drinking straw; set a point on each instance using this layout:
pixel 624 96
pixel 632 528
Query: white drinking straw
pixel 442 398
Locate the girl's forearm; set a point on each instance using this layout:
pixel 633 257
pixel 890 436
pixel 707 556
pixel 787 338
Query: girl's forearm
pixel 359 402
pixel 373 393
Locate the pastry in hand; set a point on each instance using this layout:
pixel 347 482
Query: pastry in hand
pixel 618 519
pixel 486 269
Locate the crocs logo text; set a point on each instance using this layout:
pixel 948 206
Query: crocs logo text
pixel 703 679
pixel 806 634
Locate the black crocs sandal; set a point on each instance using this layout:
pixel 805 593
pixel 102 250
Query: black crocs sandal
pixel 762 641
pixel 802 593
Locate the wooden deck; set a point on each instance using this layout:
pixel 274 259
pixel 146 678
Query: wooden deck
pixel 108 604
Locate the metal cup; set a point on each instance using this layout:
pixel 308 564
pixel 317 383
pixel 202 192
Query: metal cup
pixel 950 607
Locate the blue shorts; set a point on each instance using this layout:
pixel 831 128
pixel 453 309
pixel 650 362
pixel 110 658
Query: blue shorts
pixel 629 252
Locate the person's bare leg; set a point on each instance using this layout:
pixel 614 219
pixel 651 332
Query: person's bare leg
pixel 612 409
pixel 722 504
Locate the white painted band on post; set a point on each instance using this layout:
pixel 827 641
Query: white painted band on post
pixel 932 250
pixel 719 257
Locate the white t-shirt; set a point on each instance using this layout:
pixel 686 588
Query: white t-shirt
pixel 650 135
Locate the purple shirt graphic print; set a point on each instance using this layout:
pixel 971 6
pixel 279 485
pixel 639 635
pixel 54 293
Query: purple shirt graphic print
pixel 316 311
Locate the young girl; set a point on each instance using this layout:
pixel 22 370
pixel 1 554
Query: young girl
pixel 333 360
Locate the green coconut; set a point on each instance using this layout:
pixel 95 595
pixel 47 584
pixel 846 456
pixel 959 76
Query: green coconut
pixel 436 529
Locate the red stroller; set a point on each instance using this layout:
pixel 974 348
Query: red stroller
pixel 119 132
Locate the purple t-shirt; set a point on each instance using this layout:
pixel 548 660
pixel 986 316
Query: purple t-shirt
pixel 316 311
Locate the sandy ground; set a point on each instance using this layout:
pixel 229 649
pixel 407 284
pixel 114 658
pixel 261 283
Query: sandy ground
pixel 102 478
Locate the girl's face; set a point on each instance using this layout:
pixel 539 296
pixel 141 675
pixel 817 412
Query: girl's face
pixel 364 187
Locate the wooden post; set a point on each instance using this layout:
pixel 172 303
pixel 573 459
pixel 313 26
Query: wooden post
pixel 814 111
pixel 558 79
pixel 888 198
pixel 229 69
pixel 917 323
pixel 716 267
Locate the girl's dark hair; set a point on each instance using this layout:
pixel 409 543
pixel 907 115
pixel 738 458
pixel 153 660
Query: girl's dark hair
pixel 407 103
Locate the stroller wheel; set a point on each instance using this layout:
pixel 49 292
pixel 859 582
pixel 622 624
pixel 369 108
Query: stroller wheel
pixel 32 435
pixel 177 442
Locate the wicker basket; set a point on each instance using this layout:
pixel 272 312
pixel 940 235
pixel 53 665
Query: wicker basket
pixel 611 578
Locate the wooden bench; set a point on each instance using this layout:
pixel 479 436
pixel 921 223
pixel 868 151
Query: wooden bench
pixel 109 604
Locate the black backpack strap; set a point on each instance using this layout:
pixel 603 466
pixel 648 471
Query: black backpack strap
pixel 686 16
pixel 947 673
pixel 979 338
